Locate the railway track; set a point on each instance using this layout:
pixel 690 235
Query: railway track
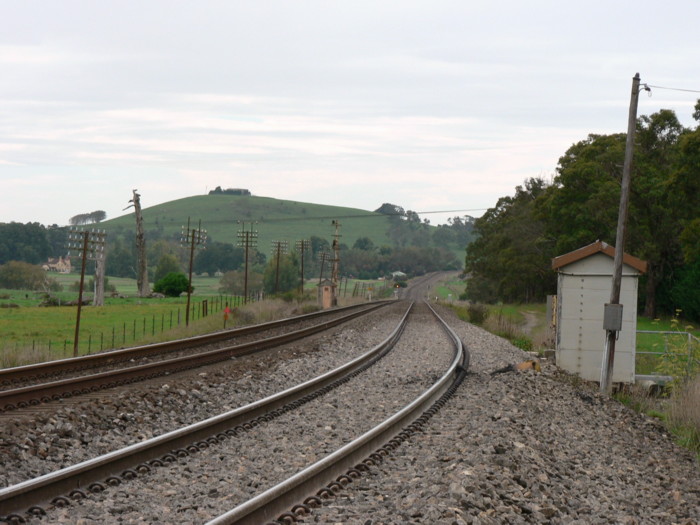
pixel 214 435
pixel 135 364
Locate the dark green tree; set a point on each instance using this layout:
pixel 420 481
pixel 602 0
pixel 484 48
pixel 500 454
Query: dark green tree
pixel 120 260
pixel 510 259
pixel 363 243
pixel 24 242
pixel 582 205
pixel 167 264
pixel 19 275
pixel 218 256
pixel 172 285
pixel 286 278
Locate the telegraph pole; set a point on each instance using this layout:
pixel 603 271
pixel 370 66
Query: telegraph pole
pixel 323 256
pixel 302 246
pixel 336 262
pixel 88 245
pixel 613 326
pixel 194 237
pixel 247 240
pixel 278 248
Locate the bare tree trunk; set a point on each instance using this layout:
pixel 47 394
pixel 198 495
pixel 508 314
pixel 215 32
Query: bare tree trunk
pixel 144 289
pixel 99 297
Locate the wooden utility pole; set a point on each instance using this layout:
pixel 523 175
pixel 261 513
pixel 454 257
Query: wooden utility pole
pixel 302 246
pixel 278 248
pixel 193 237
pixel 606 371
pixel 247 240
pixel 144 290
pixel 336 263
pixel 87 245
pixel 323 256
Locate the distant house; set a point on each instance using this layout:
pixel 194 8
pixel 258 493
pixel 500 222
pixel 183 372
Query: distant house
pixel 59 265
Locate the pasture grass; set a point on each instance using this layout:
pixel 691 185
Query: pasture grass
pixel 30 334
pixel 449 290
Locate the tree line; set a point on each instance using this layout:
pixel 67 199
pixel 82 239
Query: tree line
pixel 413 247
pixel 517 239
pixel 88 218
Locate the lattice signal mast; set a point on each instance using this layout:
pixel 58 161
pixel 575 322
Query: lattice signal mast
pixel 89 245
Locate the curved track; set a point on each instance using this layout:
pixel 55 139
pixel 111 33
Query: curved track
pixel 114 468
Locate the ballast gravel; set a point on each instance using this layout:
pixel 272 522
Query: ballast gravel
pixel 507 448
pixel 525 447
pixel 52 436
pixel 218 478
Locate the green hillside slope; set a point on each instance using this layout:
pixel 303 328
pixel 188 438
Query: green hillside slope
pixel 276 220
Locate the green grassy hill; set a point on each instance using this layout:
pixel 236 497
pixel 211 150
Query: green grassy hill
pixel 277 220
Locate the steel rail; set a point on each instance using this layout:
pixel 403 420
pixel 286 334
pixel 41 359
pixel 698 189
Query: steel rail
pixel 111 468
pixel 55 390
pixel 19 374
pixel 275 501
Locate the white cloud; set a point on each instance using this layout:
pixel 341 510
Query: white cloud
pixel 445 104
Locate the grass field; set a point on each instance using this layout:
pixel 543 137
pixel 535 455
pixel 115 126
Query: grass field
pixel 668 351
pixel 450 290
pixel 30 333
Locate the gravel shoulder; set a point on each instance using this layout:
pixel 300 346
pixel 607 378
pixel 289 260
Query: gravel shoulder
pixel 526 448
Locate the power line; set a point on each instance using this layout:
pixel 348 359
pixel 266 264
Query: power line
pixel 674 89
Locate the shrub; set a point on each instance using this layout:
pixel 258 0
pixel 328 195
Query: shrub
pixel 679 359
pixel 90 285
pixel 18 275
pixel 167 264
pixel 522 342
pixel 310 308
pixel 477 313
pixel 684 413
pixel 289 297
pixel 172 285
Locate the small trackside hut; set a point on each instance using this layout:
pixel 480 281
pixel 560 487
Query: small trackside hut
pixel 583 289
pixel 326 293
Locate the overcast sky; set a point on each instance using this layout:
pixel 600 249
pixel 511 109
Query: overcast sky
pixel 430 105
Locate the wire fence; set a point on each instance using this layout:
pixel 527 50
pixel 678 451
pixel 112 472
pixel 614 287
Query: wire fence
pixel 667 353
pixel 139 329
pixel 142 329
